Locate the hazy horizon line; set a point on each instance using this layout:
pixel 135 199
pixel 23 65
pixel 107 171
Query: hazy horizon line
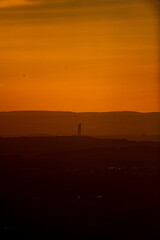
pixel 117 111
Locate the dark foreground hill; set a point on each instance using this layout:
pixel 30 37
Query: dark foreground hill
pixel 79 187
pixel 131 125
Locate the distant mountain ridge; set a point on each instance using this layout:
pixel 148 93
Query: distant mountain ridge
pixel 100 124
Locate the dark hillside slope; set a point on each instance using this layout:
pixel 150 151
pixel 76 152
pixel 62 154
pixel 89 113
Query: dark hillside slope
pixel 71 186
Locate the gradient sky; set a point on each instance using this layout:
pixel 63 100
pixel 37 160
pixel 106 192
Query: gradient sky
pixel 79 55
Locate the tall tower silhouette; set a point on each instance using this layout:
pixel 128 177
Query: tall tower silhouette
pixel 79 130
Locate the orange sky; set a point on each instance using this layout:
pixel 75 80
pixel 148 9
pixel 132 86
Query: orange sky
pixel 79 55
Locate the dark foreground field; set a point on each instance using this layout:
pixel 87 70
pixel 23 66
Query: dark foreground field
pixel 79 187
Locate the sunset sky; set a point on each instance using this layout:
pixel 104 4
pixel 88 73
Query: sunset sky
pixel 79 55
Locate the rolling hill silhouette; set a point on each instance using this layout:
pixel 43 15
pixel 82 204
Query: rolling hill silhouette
pixel 131 125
